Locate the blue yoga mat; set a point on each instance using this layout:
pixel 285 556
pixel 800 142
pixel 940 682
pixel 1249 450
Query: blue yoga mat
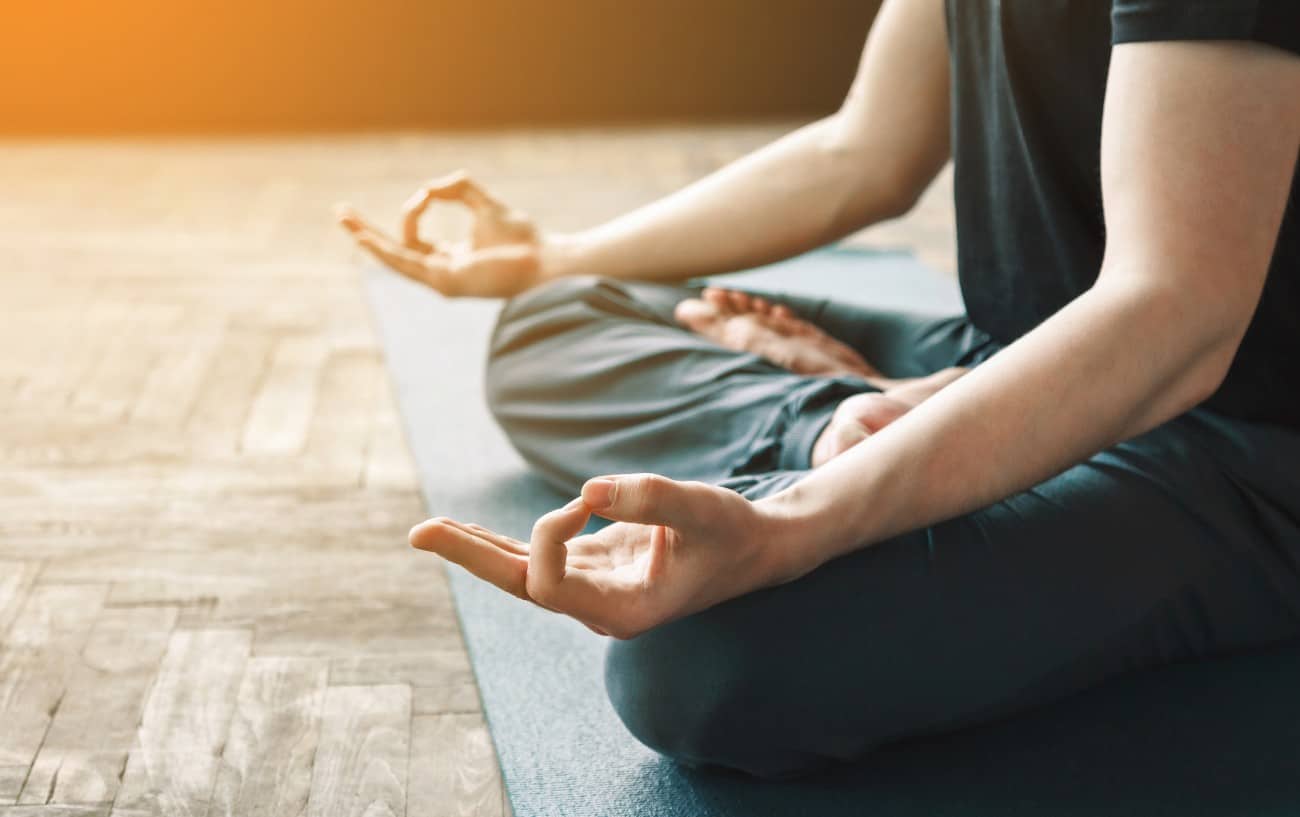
pixel 1215 738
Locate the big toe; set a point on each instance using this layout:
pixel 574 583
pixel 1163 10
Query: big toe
pixel 698 316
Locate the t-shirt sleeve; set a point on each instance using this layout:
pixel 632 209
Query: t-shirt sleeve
pixel 1273 22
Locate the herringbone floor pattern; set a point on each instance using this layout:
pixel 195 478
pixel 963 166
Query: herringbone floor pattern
pixel 206 601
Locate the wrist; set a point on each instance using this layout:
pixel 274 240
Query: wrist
pixel 816 520
pixel 793 531
pixel 559 255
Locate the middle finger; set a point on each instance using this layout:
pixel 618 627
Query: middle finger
pixel 476 554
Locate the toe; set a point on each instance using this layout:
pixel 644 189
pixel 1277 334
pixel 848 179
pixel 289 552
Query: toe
pixel 739 301
pixel 719 298
pixel 790 325
pixel 698 315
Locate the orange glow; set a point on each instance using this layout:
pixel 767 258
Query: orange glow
pixel 84 67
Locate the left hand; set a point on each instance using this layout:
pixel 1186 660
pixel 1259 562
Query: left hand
pixel 676 548
pixel 504 254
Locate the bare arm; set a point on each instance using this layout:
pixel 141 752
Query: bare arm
pixel 1199 148
pixel 1199 145
pixel 867 162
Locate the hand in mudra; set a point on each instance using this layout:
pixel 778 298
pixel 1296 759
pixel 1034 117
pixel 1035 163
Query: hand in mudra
pixel 501 257
pixel 676 548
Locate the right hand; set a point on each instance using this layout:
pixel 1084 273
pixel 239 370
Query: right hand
pixel 861 415
pixel 502 256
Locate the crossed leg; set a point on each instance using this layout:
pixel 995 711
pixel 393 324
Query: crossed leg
pixel 591 376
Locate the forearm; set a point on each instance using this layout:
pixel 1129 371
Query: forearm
pixel 804 190
pixel 1114 363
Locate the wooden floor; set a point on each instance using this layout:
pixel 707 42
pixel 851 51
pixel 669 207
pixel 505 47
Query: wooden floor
pixel 207 605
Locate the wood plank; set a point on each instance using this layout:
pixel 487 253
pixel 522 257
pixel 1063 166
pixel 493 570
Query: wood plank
pixel 174 764
pixel 231 383
pixel 36 657
pixel 361 764
pixel 356 628
pixel 266 768
pixel 441 680
pixel 443 699
pixel 172 522
pixel 112 387
pixel 105 694
pixel 86 319
pixel 389 464
pixel 11 783
pixel 453 767
pixel 332 577
pixel 16 579
pixel 340 429
pixel 100 810
pixel 283 408
pixel 169 391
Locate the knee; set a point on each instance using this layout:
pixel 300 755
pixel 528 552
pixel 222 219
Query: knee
pixel 698 699
pixel 547 312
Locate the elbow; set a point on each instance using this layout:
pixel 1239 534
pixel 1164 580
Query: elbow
pixel 1191 332
pixel 1210 370
pixel 899 196
pixel 886 183
pixel 1207 361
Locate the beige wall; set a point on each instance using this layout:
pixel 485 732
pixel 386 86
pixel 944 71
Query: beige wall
pixel 74 66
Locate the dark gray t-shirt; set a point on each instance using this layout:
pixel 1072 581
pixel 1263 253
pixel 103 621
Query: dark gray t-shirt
pixel 1029 77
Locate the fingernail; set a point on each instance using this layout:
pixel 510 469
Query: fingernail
pixel 573 504
pixel 599 493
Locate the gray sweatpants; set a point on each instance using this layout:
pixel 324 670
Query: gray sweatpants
pixel 1181 543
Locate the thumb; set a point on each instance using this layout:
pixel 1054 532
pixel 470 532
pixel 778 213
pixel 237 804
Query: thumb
pixel 645 498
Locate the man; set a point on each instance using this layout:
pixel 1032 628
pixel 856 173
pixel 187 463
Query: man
pixel 845 527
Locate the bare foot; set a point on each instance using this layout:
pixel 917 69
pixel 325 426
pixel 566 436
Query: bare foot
pixel 860 416
pixel 749 323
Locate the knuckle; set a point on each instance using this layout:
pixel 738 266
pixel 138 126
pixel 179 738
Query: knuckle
pixel 539 591
pixel 539 528
pixel 518 586
pixel 653 490
pixel 652 485
pixel 542 527
pixel 457 181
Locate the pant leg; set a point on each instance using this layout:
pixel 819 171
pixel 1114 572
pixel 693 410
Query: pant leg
pixel 589 376
pixel 1179 544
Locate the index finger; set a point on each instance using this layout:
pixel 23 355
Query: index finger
pixel 429 270
pixel 551 584
pixel 459 186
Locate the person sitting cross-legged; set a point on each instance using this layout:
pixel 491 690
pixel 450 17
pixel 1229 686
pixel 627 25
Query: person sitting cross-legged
pixel 837 527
